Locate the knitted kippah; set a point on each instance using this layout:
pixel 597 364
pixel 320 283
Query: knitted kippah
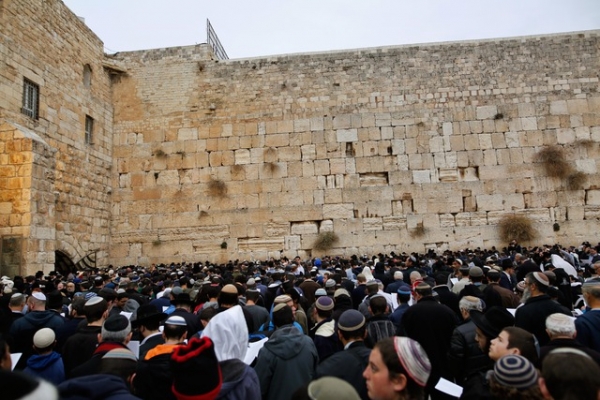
pixel 351 320
pixel 284 298
pixel 541 278
pixel 324 303
pixel 414 359
pixel 515 371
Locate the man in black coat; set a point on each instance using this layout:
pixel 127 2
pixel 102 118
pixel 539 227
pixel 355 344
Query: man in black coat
pixel 148 321
pixel 532 315
pixel 431 324
pixel 350 363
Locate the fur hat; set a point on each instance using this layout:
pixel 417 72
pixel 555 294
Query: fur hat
pixel 188 362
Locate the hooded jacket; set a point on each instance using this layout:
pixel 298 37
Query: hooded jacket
pixel 229 333
pixel 48 366
pixel 287 361
pixel 95 387
pixel 23 329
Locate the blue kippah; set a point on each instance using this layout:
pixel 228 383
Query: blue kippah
pixel 404 289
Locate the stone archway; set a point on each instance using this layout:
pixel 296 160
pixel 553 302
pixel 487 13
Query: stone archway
pixel 63 263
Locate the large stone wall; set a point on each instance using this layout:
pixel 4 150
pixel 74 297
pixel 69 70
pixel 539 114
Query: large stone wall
pixel 395 148
pixel 56 197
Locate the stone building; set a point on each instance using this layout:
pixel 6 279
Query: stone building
pixel 172 155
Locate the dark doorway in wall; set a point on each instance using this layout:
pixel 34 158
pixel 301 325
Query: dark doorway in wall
pixel 63 263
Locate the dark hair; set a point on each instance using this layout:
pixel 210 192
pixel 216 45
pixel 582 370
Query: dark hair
pixel 500 391
pixel 207 313
pixel 94 313
pixel 174 331
pixel 571 376
pixel 395 368
pixel 252 295
pixel 378 305
pixel 282 317
pixel 323 313
pixel 357 334
pixel 523 340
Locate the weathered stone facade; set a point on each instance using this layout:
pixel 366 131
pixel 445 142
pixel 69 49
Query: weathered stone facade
pixel 53 186
pixel 396 148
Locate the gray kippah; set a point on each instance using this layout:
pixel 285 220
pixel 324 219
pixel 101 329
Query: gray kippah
pixel 351 320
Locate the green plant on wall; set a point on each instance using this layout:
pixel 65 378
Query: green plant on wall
pixel 325 241
pixel 517 227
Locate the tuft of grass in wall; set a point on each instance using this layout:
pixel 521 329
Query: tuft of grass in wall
pixel 576 180
pixel 223 244
pixel 325 241
pixel 554 161
pixel 156 242
pixel 159 153
pixel 499 116
pixel 419 231
pixel 556 227
pixel 217 188
pixel 202 214
pixel 586 143
pixel 181 153
pixel 516 227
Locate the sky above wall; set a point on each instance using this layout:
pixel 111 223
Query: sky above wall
pixel 254 28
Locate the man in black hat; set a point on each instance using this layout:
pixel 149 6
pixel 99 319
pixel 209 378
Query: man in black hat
pixel 355 356
pixel 431 324
pixel 115 334
pixel 148 321
pixel 508 269
pixel 183 308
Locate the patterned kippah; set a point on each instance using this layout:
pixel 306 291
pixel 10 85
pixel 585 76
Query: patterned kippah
pixel 515 371
pixel 414 359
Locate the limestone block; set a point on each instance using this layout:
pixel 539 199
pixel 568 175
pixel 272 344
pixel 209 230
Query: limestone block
pixel 448 175
pixel 168 177
pixel 421 176
pixel 512 139
pixel 529 123
pixel 326 226
pixel 341 210
pixel 242 157
pixel 414 221
pixel 316 124
pixel 489 126
pixel 410 146
pixel 309 152
pixel 322 167
pixel 514 201
pixel 347 135
pixel 415 161
pixel 471 142
pixel 447 221
pixel 558 107
pixel 516 156
pixel 277 140
pixel 342 122
pixel 462 219
pixel 387 132
pixel 303 228
pixel 372 224
pixel 447 128
pixel 485 141
pixel 187 134
pixel 437 144
pixel 582 133
pixel 439 160
pixel 577 106
pixel 395 222
pixel 475 127
pixel 457 142
pixel 565 135
pixel 586 166
pixel 486 202
pixel 489 157
pixel 337 165
pixel 591 212
pixel 526 109
pixel 571 197
pixel 592 197
pixel 398 146
pixel 575 213
pixel 379 208
pixel 487 112
pixel 301 125
pixel 462 159
pixel 498 141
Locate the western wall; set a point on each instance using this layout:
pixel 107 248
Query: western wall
pixel 400 148
pixel 393 149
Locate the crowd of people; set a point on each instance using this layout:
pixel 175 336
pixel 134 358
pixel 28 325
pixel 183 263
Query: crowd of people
pixel 514 323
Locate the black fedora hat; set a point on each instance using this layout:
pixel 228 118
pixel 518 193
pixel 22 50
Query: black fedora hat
pixel 148 313
pixel 182 298
pixel 493 321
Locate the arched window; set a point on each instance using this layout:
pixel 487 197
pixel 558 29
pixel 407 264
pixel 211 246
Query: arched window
pixel 87 75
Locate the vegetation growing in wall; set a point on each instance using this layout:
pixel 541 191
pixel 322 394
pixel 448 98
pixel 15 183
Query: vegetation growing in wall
pixel 516 227
pixel 554 161
pixel 325 241
pixel 271 166
pixel 217 188
pixel 223 244
pixel 159 153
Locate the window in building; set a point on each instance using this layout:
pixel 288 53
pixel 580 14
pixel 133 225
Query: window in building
pixel 87 75
pixel 31 99
pixel 89 130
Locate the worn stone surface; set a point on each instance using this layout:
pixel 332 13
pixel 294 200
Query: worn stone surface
pixel 407 147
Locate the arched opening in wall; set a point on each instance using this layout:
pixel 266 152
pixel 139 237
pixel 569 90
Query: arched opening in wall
pixel 87 75
pixel 63 263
